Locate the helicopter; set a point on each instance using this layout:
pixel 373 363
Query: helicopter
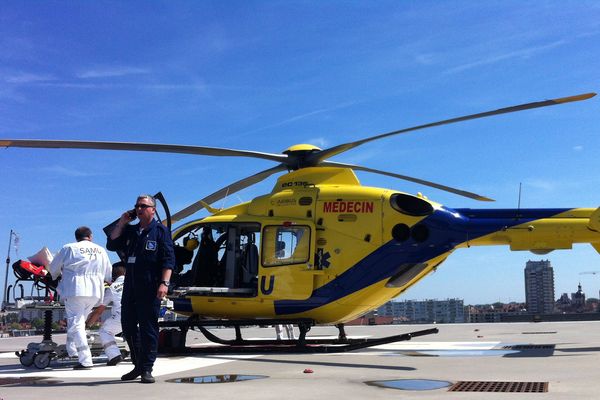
pixel 321 248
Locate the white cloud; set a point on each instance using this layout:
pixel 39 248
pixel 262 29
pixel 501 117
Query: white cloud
pixel 59 170
pixel 578 148
pixel 110 72
pixel 319 142
pixel 492 59
pixel 300 117
pixel 540 184
pixel 151 86
pixel 25 77
pixel 425 59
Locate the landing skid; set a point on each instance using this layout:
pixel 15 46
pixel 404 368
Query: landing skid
pixel 173 339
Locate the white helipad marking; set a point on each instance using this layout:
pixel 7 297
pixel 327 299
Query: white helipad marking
pixel 425 348
pixel 162 366
pixel 334 337
pixel 421 346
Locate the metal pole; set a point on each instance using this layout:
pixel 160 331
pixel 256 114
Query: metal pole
pixel 6 274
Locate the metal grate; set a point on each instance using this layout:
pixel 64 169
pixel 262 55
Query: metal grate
pixel 499 387
pixel 529 347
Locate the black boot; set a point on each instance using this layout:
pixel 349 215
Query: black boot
pixel 147 377
pixel 114 361
pixel 134 373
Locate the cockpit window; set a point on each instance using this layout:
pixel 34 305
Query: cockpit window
pixel 284 245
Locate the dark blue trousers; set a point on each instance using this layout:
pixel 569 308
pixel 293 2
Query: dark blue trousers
pixel 139 319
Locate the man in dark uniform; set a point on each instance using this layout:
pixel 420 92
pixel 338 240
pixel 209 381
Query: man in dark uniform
pixel 149 259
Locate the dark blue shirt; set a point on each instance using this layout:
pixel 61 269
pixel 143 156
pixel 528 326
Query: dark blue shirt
pixel 147 253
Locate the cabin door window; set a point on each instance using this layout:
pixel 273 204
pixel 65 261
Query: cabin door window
pixel 284 245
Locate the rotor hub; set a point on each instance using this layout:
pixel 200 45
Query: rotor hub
pixel 298 156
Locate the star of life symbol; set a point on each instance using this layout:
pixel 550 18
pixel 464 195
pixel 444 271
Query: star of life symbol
pixel 322 259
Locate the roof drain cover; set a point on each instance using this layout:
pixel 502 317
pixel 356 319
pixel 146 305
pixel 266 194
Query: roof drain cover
pixel 499 387
pixel 217 378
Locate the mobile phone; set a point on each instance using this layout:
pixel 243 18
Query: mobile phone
pixel 132 214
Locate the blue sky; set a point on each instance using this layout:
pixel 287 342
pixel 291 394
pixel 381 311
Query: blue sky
pixel 263 75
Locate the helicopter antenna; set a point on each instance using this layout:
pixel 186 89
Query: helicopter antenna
pixel 519 201
pixel 224 198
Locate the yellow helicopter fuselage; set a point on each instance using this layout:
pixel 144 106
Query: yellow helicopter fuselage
pixel 330 250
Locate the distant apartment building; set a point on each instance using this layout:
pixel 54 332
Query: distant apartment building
pixel 539 287
pixel 29 312
pixel 497 312
pixel 426 311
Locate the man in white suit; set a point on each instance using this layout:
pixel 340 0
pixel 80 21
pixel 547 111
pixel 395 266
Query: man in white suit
pixel 84 267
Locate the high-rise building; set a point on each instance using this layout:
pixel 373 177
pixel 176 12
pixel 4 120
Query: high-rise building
pixel 539 287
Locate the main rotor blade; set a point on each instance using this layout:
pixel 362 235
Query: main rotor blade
pixel 327 153
pixel 131 146
pixel 221 193
pixel 459 192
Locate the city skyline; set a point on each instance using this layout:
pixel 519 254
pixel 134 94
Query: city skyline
pixel 556 296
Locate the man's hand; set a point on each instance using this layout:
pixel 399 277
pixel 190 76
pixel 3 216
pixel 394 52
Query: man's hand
pixel 95 315
pixel 123 221
pixel 161 292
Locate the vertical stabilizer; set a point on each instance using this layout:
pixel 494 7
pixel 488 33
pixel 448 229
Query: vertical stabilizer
pixel 594 223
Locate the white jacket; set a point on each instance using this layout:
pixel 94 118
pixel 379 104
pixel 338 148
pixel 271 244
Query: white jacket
pixel 113 294
pixel 84 267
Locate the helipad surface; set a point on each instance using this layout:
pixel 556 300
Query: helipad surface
pixel 565 357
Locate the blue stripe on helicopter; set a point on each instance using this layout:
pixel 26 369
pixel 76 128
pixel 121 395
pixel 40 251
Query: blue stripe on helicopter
pixel 183 305
pixel 448 228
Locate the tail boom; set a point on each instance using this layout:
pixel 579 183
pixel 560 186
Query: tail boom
pixel 536 230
